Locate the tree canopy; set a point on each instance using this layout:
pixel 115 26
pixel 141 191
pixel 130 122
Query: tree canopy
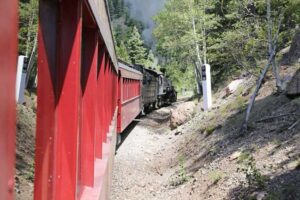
pixel 231 35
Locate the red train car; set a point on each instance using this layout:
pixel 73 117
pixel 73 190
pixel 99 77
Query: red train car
pixel 84 99
pixel 77 101
pixel 129 95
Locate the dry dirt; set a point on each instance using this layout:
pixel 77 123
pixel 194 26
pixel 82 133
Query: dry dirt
pixel 140 170
pixel 25 153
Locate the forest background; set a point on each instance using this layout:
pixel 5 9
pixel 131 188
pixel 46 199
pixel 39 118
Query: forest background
pixel 230 35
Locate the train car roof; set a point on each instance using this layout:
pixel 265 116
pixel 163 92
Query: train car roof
pixel 127 71
pixel 153 72
pixel 142 69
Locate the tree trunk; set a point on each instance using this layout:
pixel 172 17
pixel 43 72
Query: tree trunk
pixel 204 45
pixel 197 48
pixel 198 82
pixel 31 60
pixel 271 44
pixel 30 23
pixel 199 61
pixel 258 86
pixel 259 82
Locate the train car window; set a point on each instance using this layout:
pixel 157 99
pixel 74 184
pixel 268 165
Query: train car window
pixel 160 80
pixel 144 80
pixel 149 79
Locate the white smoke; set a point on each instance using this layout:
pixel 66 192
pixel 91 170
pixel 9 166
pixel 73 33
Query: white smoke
pixel 144 10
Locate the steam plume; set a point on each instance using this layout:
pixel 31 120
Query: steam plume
pixel 144 10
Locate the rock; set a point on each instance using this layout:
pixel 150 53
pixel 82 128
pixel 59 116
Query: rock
pixel 182 114
pixel 294 165
pixel 177 132
pixel 285 50
pixel 233 86
pixel 259 195
pixel 293 55
pixel 293 87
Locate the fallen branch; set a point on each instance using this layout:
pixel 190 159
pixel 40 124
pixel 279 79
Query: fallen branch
pixel 277 116
pixel 293 125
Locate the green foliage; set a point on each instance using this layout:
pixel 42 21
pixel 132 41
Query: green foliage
pixel 182 176
pixel 253 175
pixel 116 8
pixel 126 30
pixel 30 172
pixel 28 23
pixel 244 157
pixel 235 33
pixel 149 62
pixel 210 129
pixel 215 176
pixel 182 173
pixel 122 52
pixel 136 49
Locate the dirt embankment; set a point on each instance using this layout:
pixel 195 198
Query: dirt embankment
pixel 207 158
pixel 26 123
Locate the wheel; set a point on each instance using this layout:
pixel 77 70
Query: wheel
pixel 119 139
pixel 154 105
pixel 159 103
pixel 143 111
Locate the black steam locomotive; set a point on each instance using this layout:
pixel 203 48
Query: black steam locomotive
pixel 157 90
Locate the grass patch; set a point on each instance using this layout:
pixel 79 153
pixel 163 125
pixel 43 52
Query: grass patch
pixel 210 129
pixel 253 175
pixel 244 157
pixel 215 176
pixel 30 172
pixel 182 176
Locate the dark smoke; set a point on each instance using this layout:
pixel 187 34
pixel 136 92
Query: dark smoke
pixel 144 10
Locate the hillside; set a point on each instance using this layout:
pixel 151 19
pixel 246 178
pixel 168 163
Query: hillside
pixel 207 158
pixel 26 124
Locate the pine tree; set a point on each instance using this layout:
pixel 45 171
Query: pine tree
pixel 149 62
pixel 28 25
pixel 136 49
pixel 28 35
pixel 122 52
pixel 118 8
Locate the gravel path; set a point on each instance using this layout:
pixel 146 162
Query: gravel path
pixel 139 171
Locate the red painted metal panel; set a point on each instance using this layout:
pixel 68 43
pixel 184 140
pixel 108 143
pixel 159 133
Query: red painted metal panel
pixel 45 129
pixel 107 100
pixel 68 99
pixel 100 101
pixel 110 92
pixel 58 99
pixel 120 96
pixel 130 110
pixel 99 8
pixel 129 99
pixel 8 62
pixel 89 89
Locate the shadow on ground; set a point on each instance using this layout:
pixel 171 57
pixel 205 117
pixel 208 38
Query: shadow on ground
pixel 282 187
pixel 273 121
